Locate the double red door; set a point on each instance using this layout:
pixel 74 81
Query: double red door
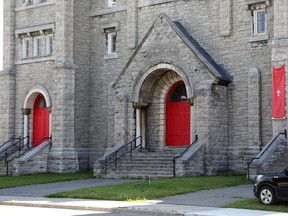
pixel 40 121
pixel 177 117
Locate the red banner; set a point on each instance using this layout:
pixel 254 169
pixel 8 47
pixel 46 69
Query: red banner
pixel 278 92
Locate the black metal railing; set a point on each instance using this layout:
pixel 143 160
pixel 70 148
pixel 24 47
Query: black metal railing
pixel 10 141
pixel 22 146
pixel 265 150
pixel 13 148
pixel 176 157
pixel 121 152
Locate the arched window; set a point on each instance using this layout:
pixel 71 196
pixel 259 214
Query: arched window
pixel 41 103
pixel 178 94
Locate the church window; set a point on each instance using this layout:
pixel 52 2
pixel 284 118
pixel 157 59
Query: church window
pixel 25 48
pixel 258 10
pixel 39 43
pixel 37 46
pixel 179 94
pixel 111 41
pixel 111 3
pixel 49 45
pixel 259 22
pixel 41 102
pixel 28 2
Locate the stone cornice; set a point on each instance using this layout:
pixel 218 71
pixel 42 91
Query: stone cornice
pixel 37 5
pixel 36 28
pixel 107 11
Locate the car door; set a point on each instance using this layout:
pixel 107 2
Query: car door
pixel 282 184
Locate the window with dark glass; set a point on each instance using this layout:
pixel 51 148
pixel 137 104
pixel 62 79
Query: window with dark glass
pixel 179 94
pixel 41 102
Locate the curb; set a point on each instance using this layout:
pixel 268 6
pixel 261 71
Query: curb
pixel 94 208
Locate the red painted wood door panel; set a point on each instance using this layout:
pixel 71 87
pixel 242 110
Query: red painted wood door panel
pixel 177 117
pixel 40 121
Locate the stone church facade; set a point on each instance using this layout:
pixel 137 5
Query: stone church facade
pixel 95 74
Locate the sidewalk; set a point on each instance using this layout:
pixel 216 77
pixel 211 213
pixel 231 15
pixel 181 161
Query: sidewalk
pixel 208 201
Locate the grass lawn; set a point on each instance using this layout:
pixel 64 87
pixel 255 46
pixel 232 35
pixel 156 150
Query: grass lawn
pixel 13 181
pixel 145 190
pixel 254 204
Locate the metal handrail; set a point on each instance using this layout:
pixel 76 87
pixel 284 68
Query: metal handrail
pixel 258 157
pixel 117 155
pixel 14 138
pixel 31 147
pixel 24 142
pixel 176 157
pixel 13 147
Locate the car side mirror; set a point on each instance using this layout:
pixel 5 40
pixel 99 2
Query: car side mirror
pixel 286 171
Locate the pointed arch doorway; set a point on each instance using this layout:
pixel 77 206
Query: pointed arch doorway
pixel 40 121
pixel 177 116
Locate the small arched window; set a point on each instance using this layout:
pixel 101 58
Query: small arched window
pixel 41 103
pixel 178 93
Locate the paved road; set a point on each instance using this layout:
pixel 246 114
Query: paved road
pixel 41 190
pixel 212 198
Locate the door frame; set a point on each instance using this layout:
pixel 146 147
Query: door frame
pixel 28 104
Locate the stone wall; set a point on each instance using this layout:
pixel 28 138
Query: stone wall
pixel 92 111
pixel 234 52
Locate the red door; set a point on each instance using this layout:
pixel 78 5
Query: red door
pixel 177 117
pixel 40 121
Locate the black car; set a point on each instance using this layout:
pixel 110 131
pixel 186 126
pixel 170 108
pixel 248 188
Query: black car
pixel 272 187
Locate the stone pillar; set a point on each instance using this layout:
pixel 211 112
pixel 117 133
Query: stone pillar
pixel 143 128
pixel 254 108
pixel 132 23
pixel 138 123
pixel 121 119
pixel 26 112
pixel 225 17
pixel 63 157
pixel 279 47
pixel 7 76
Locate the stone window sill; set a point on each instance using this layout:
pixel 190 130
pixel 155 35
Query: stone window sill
pixel 259 38
pixel 35 60
pixel 111 56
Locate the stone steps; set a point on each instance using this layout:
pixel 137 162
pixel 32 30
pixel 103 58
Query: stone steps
pixel 145 165
pixel 3 165
pixel 278 160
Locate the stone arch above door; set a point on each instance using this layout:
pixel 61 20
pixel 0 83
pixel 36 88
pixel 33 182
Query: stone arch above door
pixel 32 93
pixel 146 80
pixel 28 105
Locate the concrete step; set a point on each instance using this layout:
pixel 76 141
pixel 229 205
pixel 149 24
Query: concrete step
pixel 3 165
pixel 145 164
pixel 278 160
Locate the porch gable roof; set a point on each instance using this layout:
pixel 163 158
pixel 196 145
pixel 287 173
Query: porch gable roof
pixel 216 70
